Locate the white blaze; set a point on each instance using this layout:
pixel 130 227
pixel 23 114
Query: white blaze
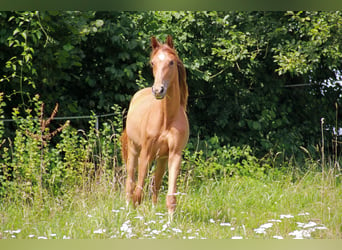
pixel 161 56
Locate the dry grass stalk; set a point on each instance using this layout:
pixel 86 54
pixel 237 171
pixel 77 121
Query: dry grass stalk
pixel 45 136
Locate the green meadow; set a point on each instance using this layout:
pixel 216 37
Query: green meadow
pixel 238 207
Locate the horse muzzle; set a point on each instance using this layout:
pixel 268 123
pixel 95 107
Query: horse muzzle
pixel 159 92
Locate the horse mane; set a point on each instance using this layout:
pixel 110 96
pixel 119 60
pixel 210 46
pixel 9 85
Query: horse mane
pixel 183 86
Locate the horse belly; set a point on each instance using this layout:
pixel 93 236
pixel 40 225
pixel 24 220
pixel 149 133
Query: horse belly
pixel 137 115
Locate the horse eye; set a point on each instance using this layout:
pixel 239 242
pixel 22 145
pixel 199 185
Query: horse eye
pixel 171 63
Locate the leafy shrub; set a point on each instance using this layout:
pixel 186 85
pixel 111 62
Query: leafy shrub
pixel 214 161
pixel 32 166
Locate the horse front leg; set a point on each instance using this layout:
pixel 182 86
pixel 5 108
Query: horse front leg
pixel 132 162
pixel 174 167
pixel 157 178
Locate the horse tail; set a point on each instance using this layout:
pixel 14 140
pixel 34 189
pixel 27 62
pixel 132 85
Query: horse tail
pixel 124 146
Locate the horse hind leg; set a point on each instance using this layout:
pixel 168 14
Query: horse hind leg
pixel 131 163
pixel 144 162
pixel 157 178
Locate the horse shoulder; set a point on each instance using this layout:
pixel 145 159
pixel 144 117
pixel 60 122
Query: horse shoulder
pixel 178 133
pixel 181 122
pixel 140 96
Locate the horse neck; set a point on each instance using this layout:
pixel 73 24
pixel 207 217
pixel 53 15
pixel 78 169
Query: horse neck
pixel 171 103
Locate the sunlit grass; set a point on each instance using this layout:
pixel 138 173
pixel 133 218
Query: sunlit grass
pixel 238 207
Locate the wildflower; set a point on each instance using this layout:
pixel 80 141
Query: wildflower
pixel 237 238
pixel 53 235
pixel 302 214
pixel 31 235
pixel 223 224
pixel 139 217
pixel 42 238
pixel 262 228
pixel 278 237
pixel 211 221
pixel 115 211
pixel 272 220
pixel 150 222
pixel 126 227
pixel 13 232
pixel 155 231
pixel 267 225
pixel 99 231
pixel 310 224
pixel 165 226
pixel 300 234
pixel 66 237
pixel 176 230
pixel 287 216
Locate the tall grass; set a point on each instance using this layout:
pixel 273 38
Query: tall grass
pixel 231 207
pixel 73 188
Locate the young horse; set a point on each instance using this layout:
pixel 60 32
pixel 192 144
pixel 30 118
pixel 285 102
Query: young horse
pixel 157 126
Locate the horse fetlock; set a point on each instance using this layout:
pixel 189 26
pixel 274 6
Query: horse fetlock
pixel 171 203
pixel 137 196
pixel 154 199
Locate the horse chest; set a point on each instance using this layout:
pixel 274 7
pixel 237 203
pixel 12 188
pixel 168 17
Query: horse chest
pixel 160 145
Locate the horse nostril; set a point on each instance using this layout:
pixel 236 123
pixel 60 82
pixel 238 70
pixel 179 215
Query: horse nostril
pixel 159 91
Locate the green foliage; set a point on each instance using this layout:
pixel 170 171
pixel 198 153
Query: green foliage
pixel 220 162
pixel 265 85
pixel 2 126
pixel 33 167
pixel 314 38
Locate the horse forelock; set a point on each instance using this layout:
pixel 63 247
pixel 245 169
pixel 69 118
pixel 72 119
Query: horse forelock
pixel 183 86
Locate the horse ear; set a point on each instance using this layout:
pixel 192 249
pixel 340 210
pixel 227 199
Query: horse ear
pixel 154 42
pixel 169 41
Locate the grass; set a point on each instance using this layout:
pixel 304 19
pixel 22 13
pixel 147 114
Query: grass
pixel 237 207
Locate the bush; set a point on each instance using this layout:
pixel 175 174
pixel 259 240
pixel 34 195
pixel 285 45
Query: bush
pixel 214 161
pixel 32 165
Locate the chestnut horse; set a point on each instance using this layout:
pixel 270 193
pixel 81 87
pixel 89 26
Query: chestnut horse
pixel 157 126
